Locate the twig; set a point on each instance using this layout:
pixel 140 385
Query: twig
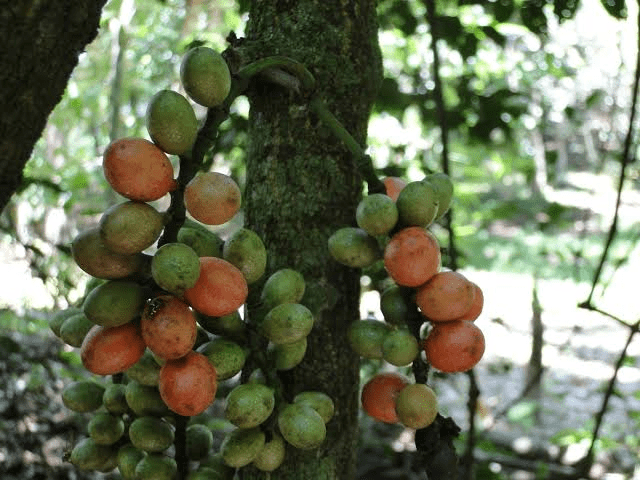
pixel 625 160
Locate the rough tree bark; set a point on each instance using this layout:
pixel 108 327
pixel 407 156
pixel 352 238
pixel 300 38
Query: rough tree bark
pixel 41 42
pixel 302 185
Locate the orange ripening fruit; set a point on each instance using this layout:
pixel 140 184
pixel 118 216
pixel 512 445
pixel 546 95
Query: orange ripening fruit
pixel 379 396
pixel 477 305
pixel 188 384
pixel 455 346
pixel 446 296
pixel 393 186
pixel 111 350
pixel 220 289
pixel 138 169
pixel 168 327
pixel 212 198
pixel 412 256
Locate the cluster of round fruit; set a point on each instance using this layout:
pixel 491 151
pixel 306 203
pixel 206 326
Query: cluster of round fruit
pixel 300 423
pixel 393 227
pixel 149 317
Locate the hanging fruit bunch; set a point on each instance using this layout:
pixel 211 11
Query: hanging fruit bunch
pixel 393 227
pixel 164 321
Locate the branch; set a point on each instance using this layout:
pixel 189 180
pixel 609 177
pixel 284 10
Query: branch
pixel 625 160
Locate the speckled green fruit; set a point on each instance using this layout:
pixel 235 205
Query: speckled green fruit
pixel 240 447
pixel 231 326
pixel 272 454
pixel 319 401
pixel 199 441
pixel 145 400
pixel 74 329
pixel 130 227
pixel 171 122
pixel 58 318
pixel 283 286
pixel 145 371
pixel 128 458
pixel 400 347
pixel 417 406
pixel 114 303
pixel 83 396
pixel 150 434
pixel 366 337
pixel 156 467
pixel 354 247
pixel 114 398
pixel 217 467
pixel 287 323
pixel 247 252
pixel 302 426
pixel 226 355
pixel 248 405
pixel 444 188
pixel 393 305
pixel 205 76
pixel 288 355
pixel 175 267
pixel 377 214
pixel 417 204
pixel 204 242
pixel 105 428
pixel 88 455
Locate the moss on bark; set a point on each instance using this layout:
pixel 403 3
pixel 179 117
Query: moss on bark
pixel 302 185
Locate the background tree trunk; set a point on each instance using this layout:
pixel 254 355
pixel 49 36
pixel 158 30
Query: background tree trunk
pixel 41 42
pixel 302 185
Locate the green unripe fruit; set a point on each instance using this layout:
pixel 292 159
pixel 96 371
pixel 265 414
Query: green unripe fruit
pixel 354 247
pixel 301 426
pixel 156 467
pixel 444 188
pixel 206 473
pixel 74 329
pixel 377 214
pixel 83 396
pixel 319 401
pixel 240 447
pixel 199 441
pixel 56 321
pixel 249 405
pixel 366 337
pixel 230 326
pixel 287 323
pixel 393 306
pixel 175 267
pixel 205 76
pixel 128 458
pixel 217 468
pixel 145 371
pixel 105 428
pixel 247 252
pixel 150 434
pixel 400 348
pixel 130 227
pixel 88 455
pixel 272 454
pixel 114 398
pixel 416 406
pixel 203 242
pixel 145 400
pixel 226 355
pixel 286 356
pixel 114 303
pixel 417 204
pixel 171 122
pixel 283 286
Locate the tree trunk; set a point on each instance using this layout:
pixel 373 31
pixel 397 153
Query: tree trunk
pixel 41 42
pixel 302 185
